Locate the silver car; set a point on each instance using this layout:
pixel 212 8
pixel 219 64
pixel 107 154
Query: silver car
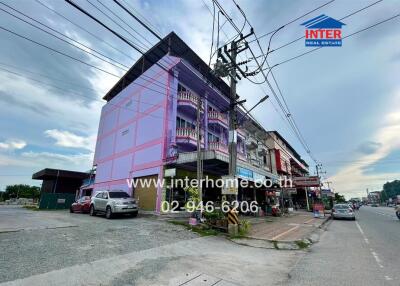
pixel 113 202
pixel 343 211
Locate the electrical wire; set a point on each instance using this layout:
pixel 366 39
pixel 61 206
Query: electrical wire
pixel 85 30
pixel 124 67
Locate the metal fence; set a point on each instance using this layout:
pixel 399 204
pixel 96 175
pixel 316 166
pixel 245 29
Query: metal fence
pixel 56 200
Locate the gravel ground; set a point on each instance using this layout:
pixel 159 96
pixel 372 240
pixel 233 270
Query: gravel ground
pixel 37 250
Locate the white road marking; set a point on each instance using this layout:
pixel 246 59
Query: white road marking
pixel 360 229
pixel 374 254
pixel 378 261
pixel 388 278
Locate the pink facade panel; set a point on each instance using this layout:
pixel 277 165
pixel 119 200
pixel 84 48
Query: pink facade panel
pixel 148 155
pixel 103 172
pixel 106 146
pixel 150 127
pixel 109 121
pixel 125 138
pixel 122 167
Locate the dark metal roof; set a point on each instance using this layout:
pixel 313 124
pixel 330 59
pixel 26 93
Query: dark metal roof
pixel 47 174
pixel 174 46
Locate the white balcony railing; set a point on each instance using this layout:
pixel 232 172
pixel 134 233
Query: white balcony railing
pixel 188 133
pixel 189 97
pixel 218 146
pixel 215 115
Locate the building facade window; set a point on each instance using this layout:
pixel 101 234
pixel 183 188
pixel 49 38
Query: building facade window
pixel 182 123
pixel 213 138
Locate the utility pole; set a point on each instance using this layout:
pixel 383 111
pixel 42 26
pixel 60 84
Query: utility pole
pixel 199 153
pixel 228 66
pixel 317 168
pixel 232 147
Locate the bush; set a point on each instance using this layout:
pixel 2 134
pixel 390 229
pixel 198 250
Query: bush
pixel 244 227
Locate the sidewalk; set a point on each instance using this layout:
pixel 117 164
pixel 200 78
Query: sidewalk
pixel 294 227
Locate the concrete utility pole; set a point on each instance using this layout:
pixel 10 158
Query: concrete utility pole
pixel 226 65
pixel 232 147
pixel 199 152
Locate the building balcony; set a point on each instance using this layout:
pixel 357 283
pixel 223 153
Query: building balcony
pixel 217 118
pixel 251 143
pixel 241 156
pixel 262 150
pixel 188 137
pixel 218 146
pixel 188 102
pixel 241 133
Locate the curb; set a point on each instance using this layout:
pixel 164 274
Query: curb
pixel 302 244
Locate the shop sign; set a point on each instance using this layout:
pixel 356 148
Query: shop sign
pixel 244 173
pixel 291 191
pixel 170 172
pixel 312 181
pixel 258 178
pixel 230 186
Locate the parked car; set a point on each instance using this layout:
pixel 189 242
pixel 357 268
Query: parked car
pixel 374 205
pixel 82 205
pixel 343 211
pixel 398 211
pixel 113 202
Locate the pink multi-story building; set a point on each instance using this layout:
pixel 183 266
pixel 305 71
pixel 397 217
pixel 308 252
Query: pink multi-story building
pixel 148 125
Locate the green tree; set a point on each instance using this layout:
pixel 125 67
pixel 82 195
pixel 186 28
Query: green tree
pixel 21 191
pixel 339 198
pixel 390 190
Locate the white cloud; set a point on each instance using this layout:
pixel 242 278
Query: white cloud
pixel 352 179
pixel 12 144
pixel 69 139
pixel 80 161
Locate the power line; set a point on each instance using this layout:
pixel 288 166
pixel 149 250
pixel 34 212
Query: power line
pixel 302 37
pixel 74 58
pixel 294 20
pixel 91 98
pixel 56 51
pixel 85 30
pixel 51 34
pixel 144 18
pixel 288 115
pixel 291 129
pixel 345 37
pixel 116 23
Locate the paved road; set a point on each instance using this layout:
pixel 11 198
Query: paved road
pixel 59 248
pixel 364 252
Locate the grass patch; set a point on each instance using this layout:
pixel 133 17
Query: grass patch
pixel 301 244
pixel 32 208
pixel 200 229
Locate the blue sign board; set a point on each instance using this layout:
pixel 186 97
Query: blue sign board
pixel 244 173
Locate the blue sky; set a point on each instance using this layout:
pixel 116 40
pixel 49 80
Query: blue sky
pixel 345 100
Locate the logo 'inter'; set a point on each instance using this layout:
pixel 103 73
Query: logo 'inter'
pixel 323 31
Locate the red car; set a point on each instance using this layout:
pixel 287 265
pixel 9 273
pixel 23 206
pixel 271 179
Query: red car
pixel 82 205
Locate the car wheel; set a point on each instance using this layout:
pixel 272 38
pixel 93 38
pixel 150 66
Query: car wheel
pixel 108 213
pixel 92 212
pixel 398 215
pixel 71 210
pixel 134 214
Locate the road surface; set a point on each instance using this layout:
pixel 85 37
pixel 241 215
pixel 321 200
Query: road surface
pixel 361 252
